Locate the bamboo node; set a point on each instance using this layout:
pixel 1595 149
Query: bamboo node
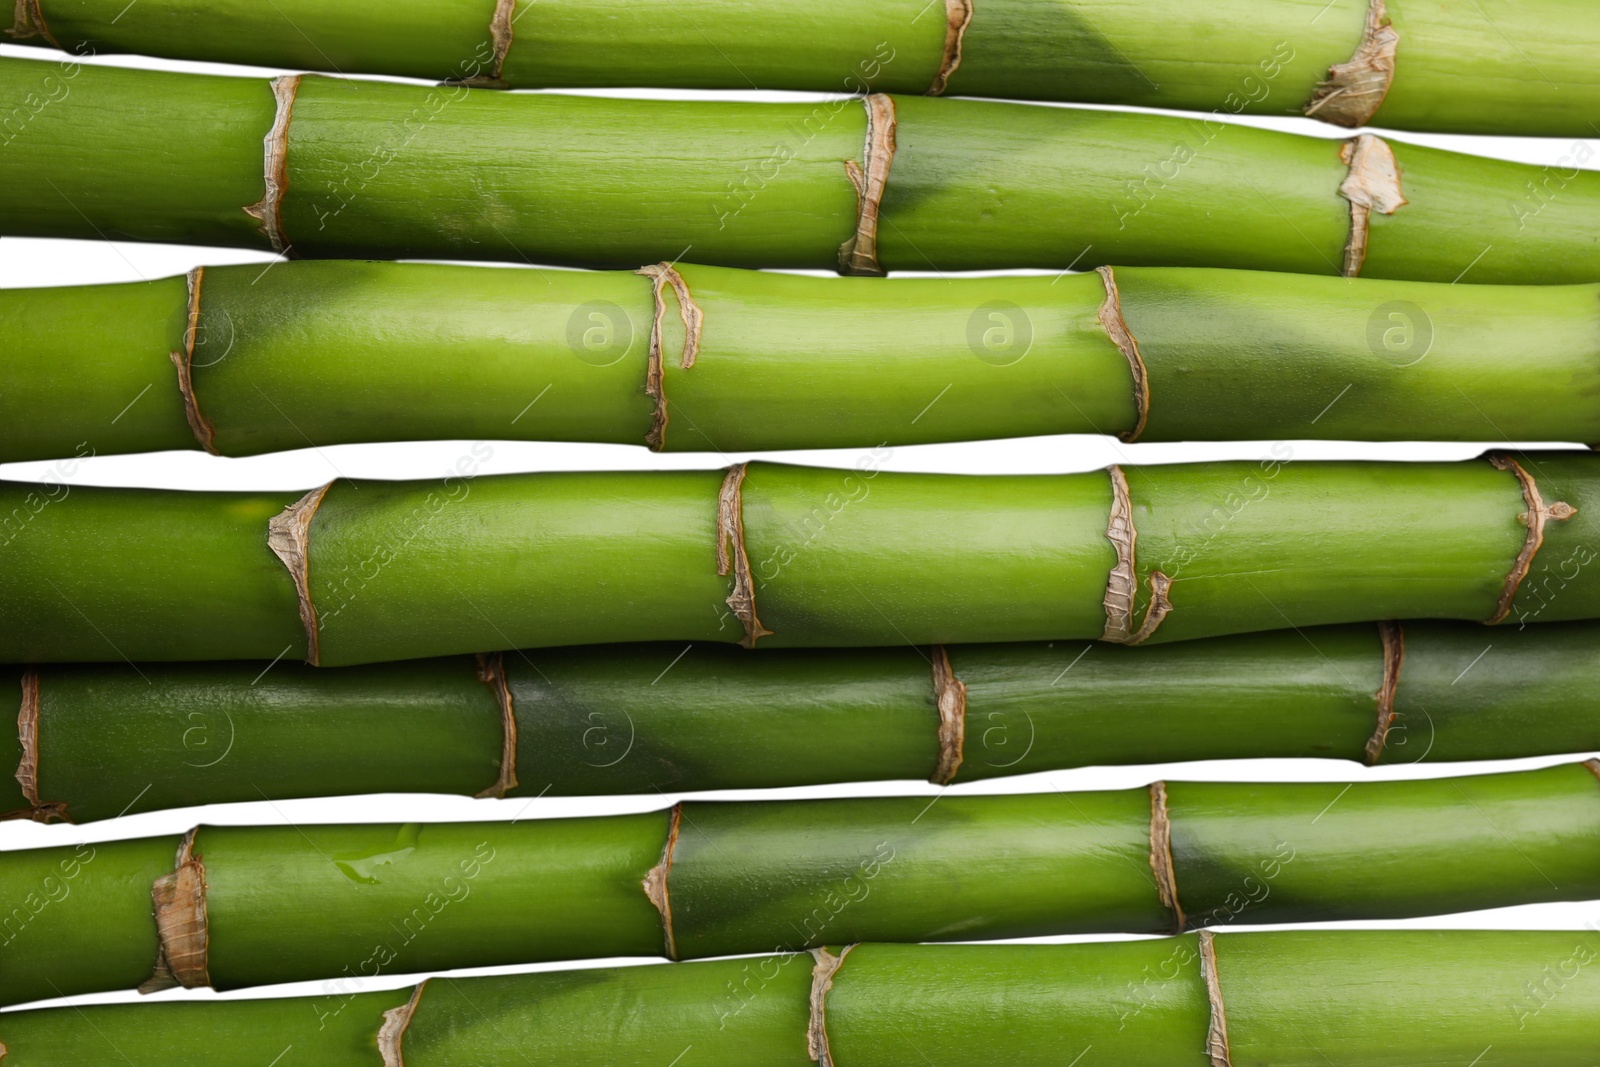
pixel 950 696
pixel 289 537
pixel 822 974
pixel 662 275
pixel 1534 520
pixel 730 533
pixel 1217 1028
pixel 29 22
pixel 396 1021
pixel 1373 184
pixel 1116 328
pixel 1161 861
pixel 1394 652
pixel 492 673
pixel 275 165
pixel 180 912
pixel 859 255
pixel 1122 584
pixel 502 26
pixel 958 16
pixel 28 766
pixel 656 882
pixel 1354 90
pixel 183 359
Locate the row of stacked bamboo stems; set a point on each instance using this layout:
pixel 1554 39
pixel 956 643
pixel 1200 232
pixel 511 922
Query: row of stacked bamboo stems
pixel 524 635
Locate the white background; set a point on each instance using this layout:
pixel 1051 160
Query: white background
pixel 27 262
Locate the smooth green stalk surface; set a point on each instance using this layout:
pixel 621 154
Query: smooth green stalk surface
pixel 368 169
pixel 1522 68
pixel 669 718
pixel 789 556
pixel 289 903
pixel 335 352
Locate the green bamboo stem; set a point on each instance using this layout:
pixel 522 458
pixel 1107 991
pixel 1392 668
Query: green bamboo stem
pixel 243 906
pixel 106 740
pixel 358 572
pixel 328 167
pixel 329 353
pixel 1523 68
pixel 1284 999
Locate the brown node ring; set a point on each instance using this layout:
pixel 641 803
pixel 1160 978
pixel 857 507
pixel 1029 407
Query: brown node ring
pixel 1116 328
pixel 1161 861
pixel 822 975
pixel 179 900
pixel 657 882
pixel 1537 515
pixel 502 28
pixel 950 697
pixel 29 22
pixel 28 764
pixel 1355 89
pixel 289 537
pixel 870 177
pixel 491 667
pixel 957 17
pixel 183 359
pixel 1372 184
pixel 1122 584
pixel 661 276
pixel 1217 1029
pixel 1393 636
pixel 396 1021
pixel 733 558
pixel 268 211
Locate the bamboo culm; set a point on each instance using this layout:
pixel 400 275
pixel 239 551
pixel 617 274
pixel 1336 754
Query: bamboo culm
pixel 359 572
pixel 99 741
pixel 239 362
pixel 1281 999
pixel 325 167
pixel 235 906
pixel 1525 71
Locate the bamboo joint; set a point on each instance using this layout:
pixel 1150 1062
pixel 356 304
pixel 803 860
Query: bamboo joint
pixel 1122 585
pixel 950 696
pixel 1355 89
pixel 29 22
pixel 502 30
pixel 822 976
pixel 1393 636
pixel 657 882
pixel 179 901
pixel 1373 184
pixel 289 537
pixel 268 211
pixel 396 1021
pixel 28 766
pixel 1161 861
pixel 1116 328
pixel 734 558
pixel 1217 1028
pixel 859 255
pixel 1534 519
pixel 958 16
pixel 183 359
pixel 492 673
pixel 661 276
